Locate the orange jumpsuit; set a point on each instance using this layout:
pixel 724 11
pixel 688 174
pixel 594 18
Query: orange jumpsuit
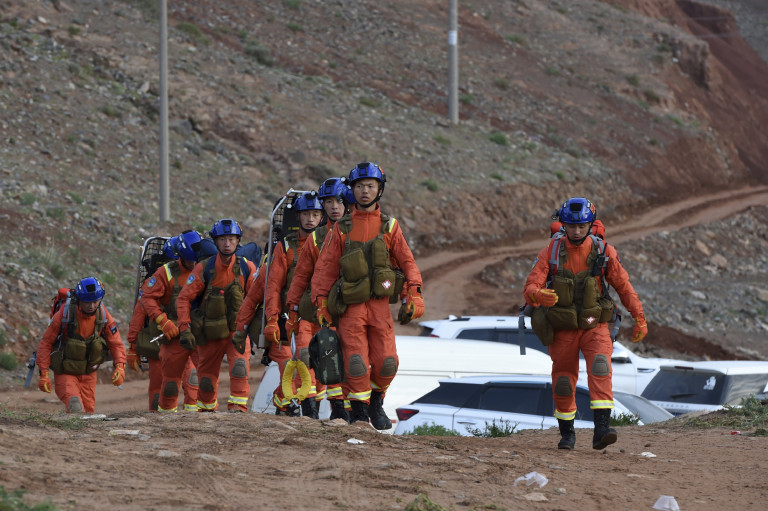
pixel 213 351
pixel 595 343
pixel 302 277
pixel 366 329
pixel 83 386
pixel 176 365
pixel 251 302
pixel 281 352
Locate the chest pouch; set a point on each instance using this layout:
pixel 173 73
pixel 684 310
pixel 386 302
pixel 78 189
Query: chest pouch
pixel 233 298
pixel 606 309
pixel 97 352
pixel 356 292
pixel 57 361
pixel 215 325
pixel 336 305
pixel 74 356
pixel 146 349
pixel 383 282
pixel 563 285
pixel 254 329
pixel 353 263
pixel 306 309
pixel 562 318
pixel 399 283
pixel 542 327
pixel 196 325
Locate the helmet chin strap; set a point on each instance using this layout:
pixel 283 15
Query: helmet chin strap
pixel 589 231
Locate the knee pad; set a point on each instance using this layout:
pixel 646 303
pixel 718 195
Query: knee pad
pixel 601 366
pixel 304 356
pixel 389 368
pixel 356 366
pixel 155 402
pixel 171 389
pixel 239 370
pixel 206 385
pixel 193 378
pixel 563 386
pixel 75 405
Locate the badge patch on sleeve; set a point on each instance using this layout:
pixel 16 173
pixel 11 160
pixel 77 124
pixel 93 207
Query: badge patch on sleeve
pixel 151 282
pixel 113 329
pixel 191 278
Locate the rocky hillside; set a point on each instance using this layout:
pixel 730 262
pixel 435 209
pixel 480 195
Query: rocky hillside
pixel 634 103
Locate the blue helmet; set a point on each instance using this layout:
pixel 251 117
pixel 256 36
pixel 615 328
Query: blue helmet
pixel 367 170
pixel 577 210
pixel 188 245
pixel 333 187
pixel 170 248
pixel 225 226
pixel 307 202
pixel 89 290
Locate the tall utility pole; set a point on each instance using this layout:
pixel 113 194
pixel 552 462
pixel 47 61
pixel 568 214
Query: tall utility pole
pixel 165 196
pixel 453 63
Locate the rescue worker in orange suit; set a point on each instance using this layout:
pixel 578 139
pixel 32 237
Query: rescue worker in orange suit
pixel 333 195
pixel 368 281
pixel 176 365
pixel 248 320
pixel 75 344
pixel 281 271
pixel 222 281
pixel 569 284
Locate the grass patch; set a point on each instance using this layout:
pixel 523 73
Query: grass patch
pixel 551 71
pixel 3 338
pixel 625 419
pixel 499 138
pixel 750 413
pixel 494 430
pixel 27 199
pixel 497 176
pixel 370 102
pixel 431 185
pixel 517 39
pixel 633 80
pixel 14 501
pixel 260 53
pixel 8 361
pixel 75 198
pixel 111 111
pixel 74 30
pixel 292 4
pixel 194 32
pixel 295 27
pixel 651 96
pixel 424 503
pixel 466 99
pixel 442 140
pixel 69 422
pixel 433 430
pixel 501 83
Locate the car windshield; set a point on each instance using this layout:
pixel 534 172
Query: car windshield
pixel 641 407
pixel 452 394
pixel 685 386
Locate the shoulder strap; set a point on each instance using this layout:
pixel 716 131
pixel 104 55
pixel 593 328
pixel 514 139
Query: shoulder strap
pixel 209 270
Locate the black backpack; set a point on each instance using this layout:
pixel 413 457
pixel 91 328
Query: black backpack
pixel 325 356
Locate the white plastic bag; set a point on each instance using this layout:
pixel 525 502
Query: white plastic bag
pixel 532 477
pixel 666 503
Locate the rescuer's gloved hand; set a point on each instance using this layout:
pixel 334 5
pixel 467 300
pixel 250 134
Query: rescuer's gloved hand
pixel 187 340
pixel 402 315
pixel 44 383
pixel 641 328
pixel 414 302
pixel 239 340
pixel 169 328
pixel 133 359
pixel 272 330
pixel 118 375
pixel 545 297
pixel 323 316
pixel 292 324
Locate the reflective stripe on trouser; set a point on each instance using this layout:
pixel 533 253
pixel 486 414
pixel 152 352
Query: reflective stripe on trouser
pixel 564 352
pixel 334 392
pixel 155 380
pixel 209 367
pixel 81 386
pixel 367 340
pixel 176 361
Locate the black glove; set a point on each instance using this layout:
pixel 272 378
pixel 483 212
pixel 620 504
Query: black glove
pixel 239 340
pixel 405 315
pixel 187 340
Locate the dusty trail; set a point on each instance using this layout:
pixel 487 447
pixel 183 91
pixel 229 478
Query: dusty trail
pixel 448 271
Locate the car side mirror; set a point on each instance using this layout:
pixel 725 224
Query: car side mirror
pixel 620 356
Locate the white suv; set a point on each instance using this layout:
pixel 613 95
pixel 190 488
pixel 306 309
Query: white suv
pixel 631 373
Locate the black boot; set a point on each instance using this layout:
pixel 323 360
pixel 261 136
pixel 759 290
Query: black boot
pixel 337 410
pixel 605 435
pixel 379 419
pixel 567 434
pixel 309 408
pixel 359 411
pixel 291 411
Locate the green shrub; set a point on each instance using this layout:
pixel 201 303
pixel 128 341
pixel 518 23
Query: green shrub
pixel 27 199
pixel 501 83
pixel 517 39
pixel 551 71
pixel 433 430
pixel 499 138
pixel 111 111
pixel 293 4
pixel 651 96
pixel 373 103
pixel 494 430
pixel 14 501
pixel 466 99
pixel 633 80
pixel 430 184
pixel 295 27
pixel 73 30
pixel 193 31
pixel 625 419
pixel 8 361
pixel 3 338
pixel 442 140
pixel 259 52
pixel 497 176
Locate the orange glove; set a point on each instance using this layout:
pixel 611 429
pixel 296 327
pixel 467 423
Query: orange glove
pixel 414 304
pixel 322 314
pixel 272 330
pixel 118 375
pixel 169 328
pixel 293 323
pixel 545 297
pixel 133 359
pixel 44 383
pixel 641 328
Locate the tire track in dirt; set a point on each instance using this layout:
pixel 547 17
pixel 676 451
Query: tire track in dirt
pixel 448 273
